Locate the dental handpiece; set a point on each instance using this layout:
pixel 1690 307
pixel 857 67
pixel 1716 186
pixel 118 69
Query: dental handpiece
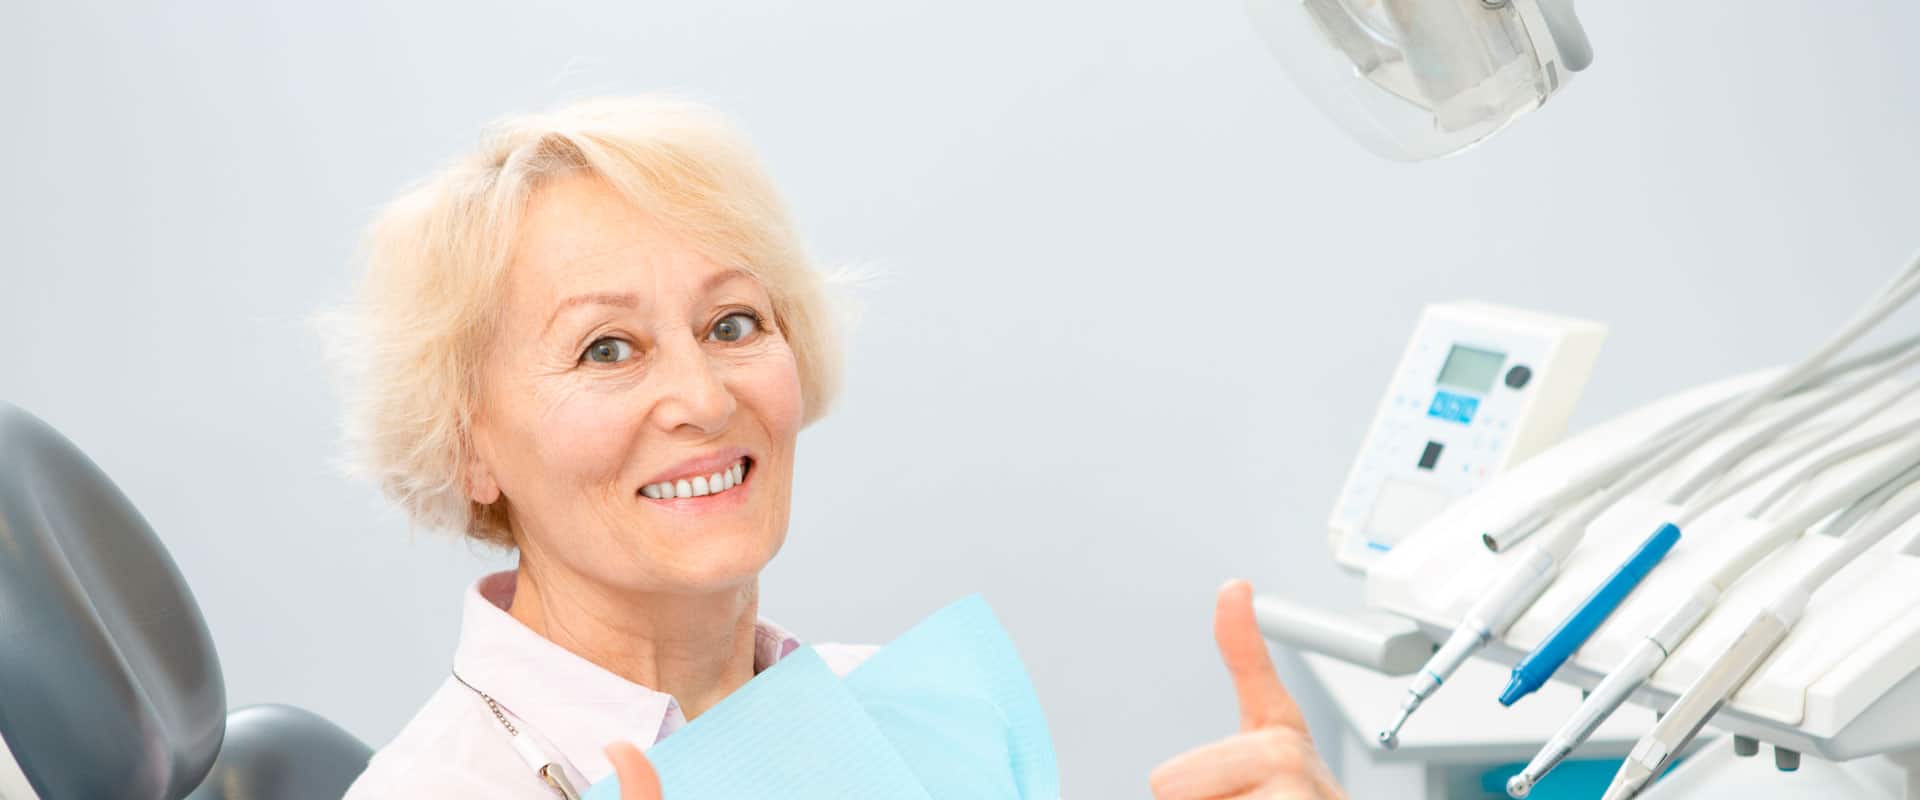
pixel 1516 589
pixel 1757 640
pixel 1640 664
pixel 1655 751
pixel 1613 690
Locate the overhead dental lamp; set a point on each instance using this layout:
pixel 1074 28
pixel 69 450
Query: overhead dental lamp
pixel 1419 79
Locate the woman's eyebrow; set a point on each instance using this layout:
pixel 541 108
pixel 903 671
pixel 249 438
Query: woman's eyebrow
pixel 715 280
pixel 623 300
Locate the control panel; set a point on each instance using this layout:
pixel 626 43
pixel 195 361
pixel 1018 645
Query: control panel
pixel 1479 388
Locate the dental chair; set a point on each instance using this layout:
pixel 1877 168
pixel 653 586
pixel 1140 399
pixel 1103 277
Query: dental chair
pixel 109 685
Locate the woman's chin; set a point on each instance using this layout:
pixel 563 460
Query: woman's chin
pixel 714 564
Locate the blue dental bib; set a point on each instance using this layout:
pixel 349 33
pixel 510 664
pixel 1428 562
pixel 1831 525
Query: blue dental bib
pixel 944 712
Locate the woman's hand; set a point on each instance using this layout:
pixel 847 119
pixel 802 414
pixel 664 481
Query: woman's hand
pixel 1272 756
pixel 638 781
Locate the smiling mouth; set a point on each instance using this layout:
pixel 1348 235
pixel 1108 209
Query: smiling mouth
pixel 700 485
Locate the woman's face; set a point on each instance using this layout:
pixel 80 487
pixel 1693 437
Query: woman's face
pixel 627 377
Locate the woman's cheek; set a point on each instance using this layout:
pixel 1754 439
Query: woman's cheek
pixel 588 433
pixel 770 385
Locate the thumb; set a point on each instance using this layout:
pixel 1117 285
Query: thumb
pixel 637 779
pixel 1264 702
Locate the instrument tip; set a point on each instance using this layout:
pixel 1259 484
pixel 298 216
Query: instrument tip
pixel 1519 786
pixel 1624 787
pixel 1390 736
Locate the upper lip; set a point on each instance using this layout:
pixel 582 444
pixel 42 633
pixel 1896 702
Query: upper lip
pixel 700 466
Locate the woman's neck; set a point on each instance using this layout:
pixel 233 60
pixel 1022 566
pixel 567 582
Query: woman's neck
pixel 697 648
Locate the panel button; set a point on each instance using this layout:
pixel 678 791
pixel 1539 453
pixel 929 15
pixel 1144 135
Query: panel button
pixel 1431 455
pixel 1453 407
pixel 1518 376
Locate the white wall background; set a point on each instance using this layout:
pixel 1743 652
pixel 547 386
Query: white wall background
pixel 1140 298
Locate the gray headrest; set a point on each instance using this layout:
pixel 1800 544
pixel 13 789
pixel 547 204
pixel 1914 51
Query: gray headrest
pixel 109 687
pixel 276 752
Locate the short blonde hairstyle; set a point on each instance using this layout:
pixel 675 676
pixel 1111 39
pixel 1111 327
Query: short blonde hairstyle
pixel 410 342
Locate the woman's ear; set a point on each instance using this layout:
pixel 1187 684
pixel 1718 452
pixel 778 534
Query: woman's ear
pixel 482 488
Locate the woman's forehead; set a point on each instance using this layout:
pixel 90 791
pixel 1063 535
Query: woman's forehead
pixel 579 235
pixel 579 222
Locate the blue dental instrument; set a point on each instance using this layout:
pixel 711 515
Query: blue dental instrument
pixel 1534 670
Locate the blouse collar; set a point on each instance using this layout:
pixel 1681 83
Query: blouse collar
pixel 573 705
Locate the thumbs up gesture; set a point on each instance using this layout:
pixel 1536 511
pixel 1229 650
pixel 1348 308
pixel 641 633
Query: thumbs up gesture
pixel 1272 755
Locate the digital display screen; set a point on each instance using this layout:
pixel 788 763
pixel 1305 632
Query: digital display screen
pixel 1471 369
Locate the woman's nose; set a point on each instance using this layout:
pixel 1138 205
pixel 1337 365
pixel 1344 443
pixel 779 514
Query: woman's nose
pixel 693 395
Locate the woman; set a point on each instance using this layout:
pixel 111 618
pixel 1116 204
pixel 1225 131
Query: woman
pixel 595 341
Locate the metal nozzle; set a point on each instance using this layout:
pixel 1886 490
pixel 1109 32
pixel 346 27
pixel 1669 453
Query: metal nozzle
pixel 1390 736
pixel 1500 538
pixel 1521 784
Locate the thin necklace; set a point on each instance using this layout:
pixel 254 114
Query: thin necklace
pixel 550 771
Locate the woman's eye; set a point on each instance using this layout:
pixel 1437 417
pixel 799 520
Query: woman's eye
pixel 734 327
pixel 608 350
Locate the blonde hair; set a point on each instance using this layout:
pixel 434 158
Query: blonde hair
pixel 410 341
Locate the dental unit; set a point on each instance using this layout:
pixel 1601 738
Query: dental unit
pixel 1538 564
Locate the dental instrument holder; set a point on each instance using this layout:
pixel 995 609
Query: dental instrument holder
pixel 1841 686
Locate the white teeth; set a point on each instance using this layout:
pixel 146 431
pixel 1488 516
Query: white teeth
pixel 699 486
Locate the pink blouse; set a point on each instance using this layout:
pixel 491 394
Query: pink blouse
pixel 455 747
